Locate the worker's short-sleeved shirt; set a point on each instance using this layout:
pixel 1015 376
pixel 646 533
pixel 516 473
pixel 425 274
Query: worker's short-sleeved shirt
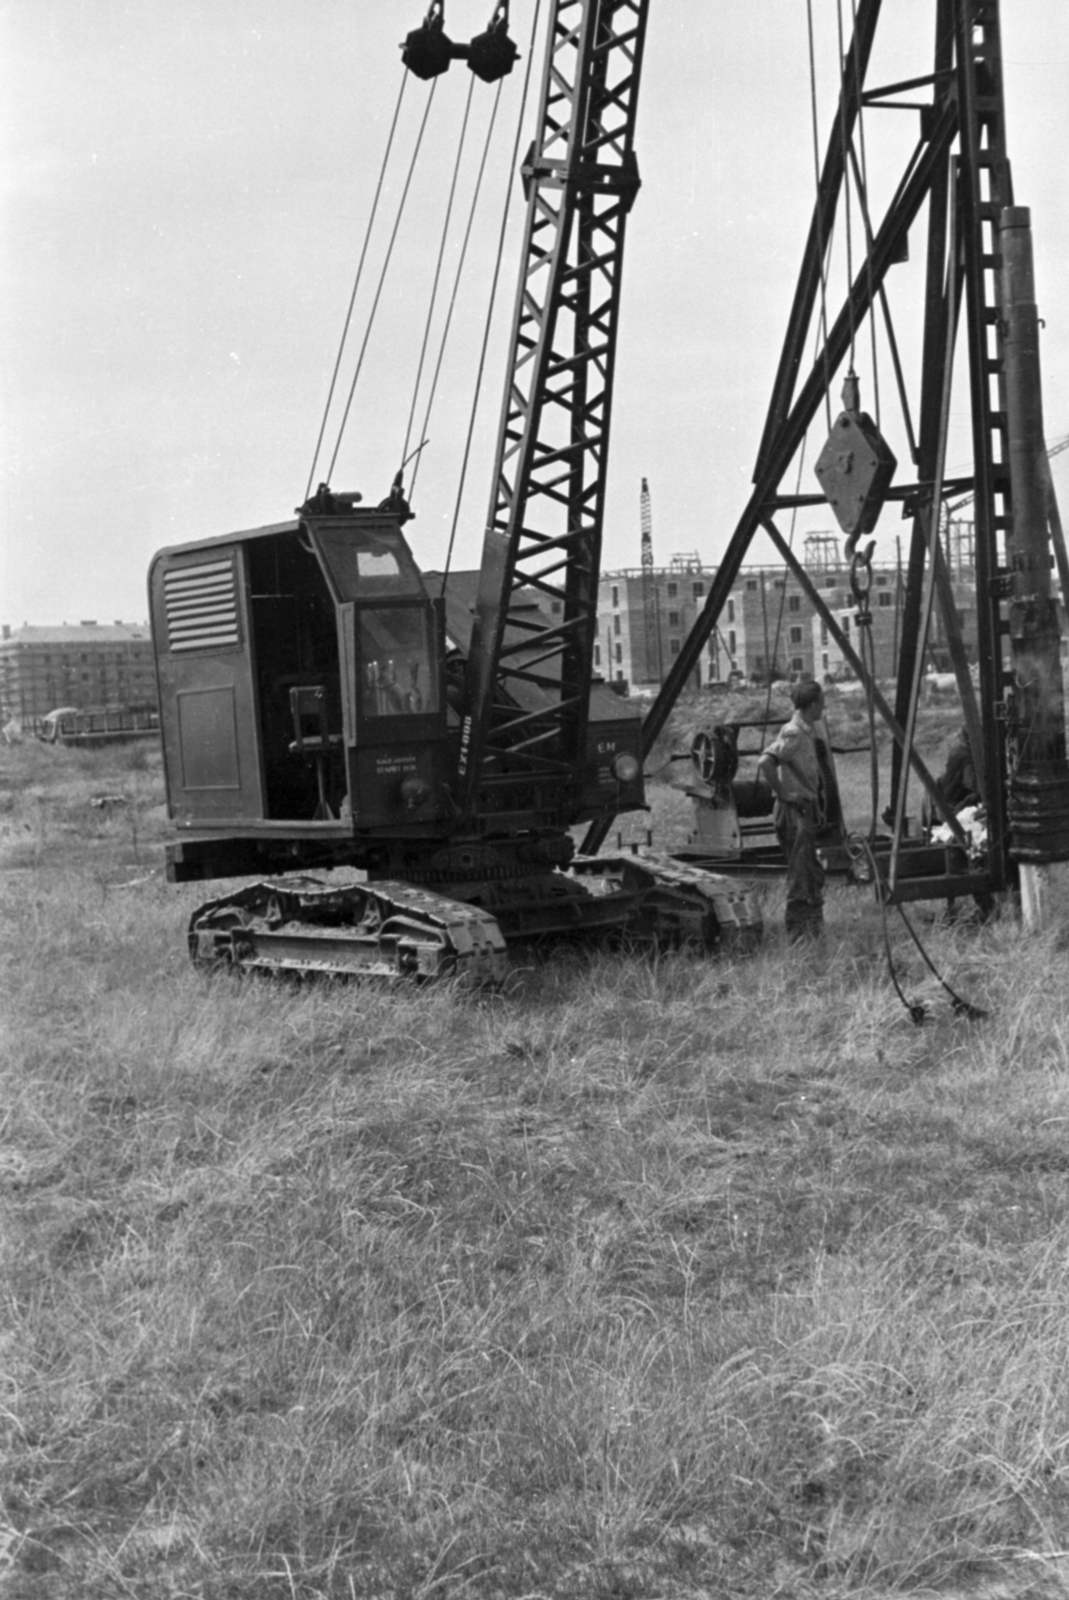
pixel 795 753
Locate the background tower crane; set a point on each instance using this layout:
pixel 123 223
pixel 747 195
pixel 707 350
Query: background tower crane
pixel 650 608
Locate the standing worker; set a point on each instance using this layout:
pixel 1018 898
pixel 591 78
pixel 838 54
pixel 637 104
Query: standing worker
pixel 795 767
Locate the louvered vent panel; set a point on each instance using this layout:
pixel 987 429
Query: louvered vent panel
pixel 202 606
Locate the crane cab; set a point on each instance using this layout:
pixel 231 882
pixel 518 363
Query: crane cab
pixel 301 691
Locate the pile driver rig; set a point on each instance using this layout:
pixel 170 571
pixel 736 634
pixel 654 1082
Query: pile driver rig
pixel 320 707
pixel 978 272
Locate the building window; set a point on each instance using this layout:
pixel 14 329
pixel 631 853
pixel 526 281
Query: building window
pixel 615 624
pixel 885 599
pixel 881 580
pixel 778 583
pixel 673 591
pixel 555 607
pixel 597 655
pixel 796 635
pixel 823 633
pixel 831 583
pixel 619 677
pixel 615 595
pixel 673 646
pixel 844 623
pixel 824 661
pixel 697 589
pixel 751 585
pixel 794 602
pixel 731 611
pixel 619 652
pixel 797 664
pixel 673 619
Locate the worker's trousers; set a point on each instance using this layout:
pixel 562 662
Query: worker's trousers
pixel 796 830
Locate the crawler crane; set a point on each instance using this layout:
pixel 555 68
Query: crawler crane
pixel 322 708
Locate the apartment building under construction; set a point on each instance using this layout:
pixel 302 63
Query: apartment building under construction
pixel 769 627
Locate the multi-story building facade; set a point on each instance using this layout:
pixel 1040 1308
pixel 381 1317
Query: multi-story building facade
pixel 644 618
pixel 91 666
pixel 768 628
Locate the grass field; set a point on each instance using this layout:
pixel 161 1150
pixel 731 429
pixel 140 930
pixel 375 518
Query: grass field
pixel 642 1278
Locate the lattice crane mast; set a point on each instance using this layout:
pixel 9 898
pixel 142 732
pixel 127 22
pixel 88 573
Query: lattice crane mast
pixel 545 520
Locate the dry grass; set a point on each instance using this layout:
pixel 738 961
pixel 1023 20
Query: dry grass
pixel 644 1278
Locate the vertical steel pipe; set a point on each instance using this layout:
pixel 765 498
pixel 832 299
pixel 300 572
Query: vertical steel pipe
pixel 1039 788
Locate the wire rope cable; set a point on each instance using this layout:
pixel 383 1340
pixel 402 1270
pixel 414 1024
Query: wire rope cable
pixel 438 270
pixel 821 243
pixel 859 847
pixel 770 665
pixel 861 562
pixel 493 294
pixel 382 277
pixel 861 186
pixel 433 389
pixel 844 157
pixel 356 284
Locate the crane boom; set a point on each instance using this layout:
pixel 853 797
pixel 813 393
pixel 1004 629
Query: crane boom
pixel 520 751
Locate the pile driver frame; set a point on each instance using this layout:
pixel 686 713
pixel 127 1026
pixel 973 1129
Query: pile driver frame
pixel 977 258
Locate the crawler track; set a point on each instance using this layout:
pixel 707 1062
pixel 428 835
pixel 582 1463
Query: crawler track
pixel 386 931
pixel 389 931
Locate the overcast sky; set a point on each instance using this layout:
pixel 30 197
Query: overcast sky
pixel 186 188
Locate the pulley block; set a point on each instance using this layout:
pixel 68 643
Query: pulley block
pixel 428 50
pixel 855 467
pixel 493 53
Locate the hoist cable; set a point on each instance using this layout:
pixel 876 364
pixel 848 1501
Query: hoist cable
pixel 861 185
pixel 382 276
pixel 951 302
pixel 821 246
pixel 915 1008
pixel 844 157
pixel 493 291
pixel 783 592
pixel 790 536
pixel 862 591
pixel 456 281
pixel 356 283
pixel 874 754
pixel 961 1007
pixel 889 329
pixel 438 269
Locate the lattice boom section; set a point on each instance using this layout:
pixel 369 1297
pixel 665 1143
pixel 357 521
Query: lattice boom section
pixel 545 517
